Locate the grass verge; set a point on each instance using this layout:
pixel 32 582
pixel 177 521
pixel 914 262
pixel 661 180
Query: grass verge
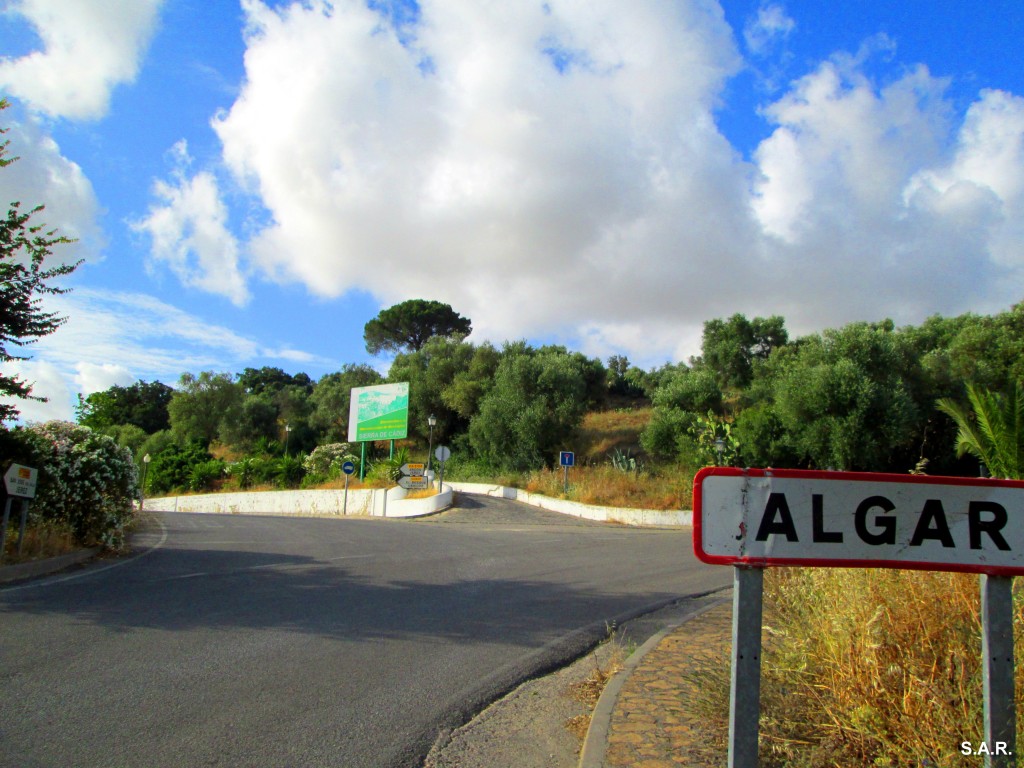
pixel 866 667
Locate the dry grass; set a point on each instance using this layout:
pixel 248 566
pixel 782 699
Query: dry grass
pixel 867 667
pixel 42 539
pixel 610 487
pixel 603 432
pixel 422 493
pixel 588 691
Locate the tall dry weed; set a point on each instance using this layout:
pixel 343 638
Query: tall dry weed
pixel 872 667
pixel 606 486
pixel 42 539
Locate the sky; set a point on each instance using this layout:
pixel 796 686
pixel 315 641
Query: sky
pixel 250 182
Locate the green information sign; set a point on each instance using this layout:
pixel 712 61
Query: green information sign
pixel 379 413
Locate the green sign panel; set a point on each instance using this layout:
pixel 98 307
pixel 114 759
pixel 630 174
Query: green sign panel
pixel 379 413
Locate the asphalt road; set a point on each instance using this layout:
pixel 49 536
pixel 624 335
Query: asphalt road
pixel 268 641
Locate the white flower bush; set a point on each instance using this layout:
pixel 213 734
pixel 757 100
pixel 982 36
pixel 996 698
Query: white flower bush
pixel 326 460
pixel 85 480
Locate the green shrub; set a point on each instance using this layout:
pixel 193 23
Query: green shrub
pixel 289 472
pixel 171 469
pixel 389 470
pixel 243 472
pixel 326 460
pixel 86 481
pixel 205 475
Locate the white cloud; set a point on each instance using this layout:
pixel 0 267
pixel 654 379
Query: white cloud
pixel 557 169
pixel 770 25
pixel 190 232
pixel 113 337
pixel 43 176
pixel 866 215
pixel 465 164
pixel 89 47
pixel 985 175
pixel 94 377
pixel 47 382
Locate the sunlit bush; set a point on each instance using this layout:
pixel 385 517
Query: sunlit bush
pixel 86 481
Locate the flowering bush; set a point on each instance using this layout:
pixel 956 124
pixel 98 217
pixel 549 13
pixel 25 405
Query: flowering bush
pixel 326 460
pixel 85 480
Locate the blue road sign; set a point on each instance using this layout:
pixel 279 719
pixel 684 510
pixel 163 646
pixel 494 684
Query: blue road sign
pixel 567 459
pixel 348 467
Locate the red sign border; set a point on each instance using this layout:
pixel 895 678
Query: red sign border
pixel 814 474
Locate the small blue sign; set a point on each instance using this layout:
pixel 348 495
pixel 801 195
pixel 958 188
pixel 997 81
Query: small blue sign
pixel 567 459
pixel 348 467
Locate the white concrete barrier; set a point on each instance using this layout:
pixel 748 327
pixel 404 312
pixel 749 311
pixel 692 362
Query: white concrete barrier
pixel 589 511
pixel 367 502
pixel 371 502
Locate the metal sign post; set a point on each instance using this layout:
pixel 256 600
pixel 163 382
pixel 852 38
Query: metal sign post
pixel 21 483
pixel 442 454
pixel 757 518
pixel 566 459
pixel 745 680
pixel 3 530
pixel 348 468
pixel 997 670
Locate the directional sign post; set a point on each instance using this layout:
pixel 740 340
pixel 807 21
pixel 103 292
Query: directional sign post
pixel 757 518
pixel 566 459
pixel 348 468
pixel 414 482
pixel 413 477
pixel 442 454
pixel 20 482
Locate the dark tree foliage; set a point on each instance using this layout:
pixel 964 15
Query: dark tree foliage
pixel 142 404
pixel 536 401
pixel 24 279
pixel 205 404
pixel 731 348
pixel 257 381
pixel 172 468
pixel 406 327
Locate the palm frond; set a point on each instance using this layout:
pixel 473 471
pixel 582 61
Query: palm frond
pixel 993 429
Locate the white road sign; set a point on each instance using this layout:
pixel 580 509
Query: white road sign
pixel 21 481
pixel 789 517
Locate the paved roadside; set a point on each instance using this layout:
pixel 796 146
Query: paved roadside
pixel 35 568
pixel 647 716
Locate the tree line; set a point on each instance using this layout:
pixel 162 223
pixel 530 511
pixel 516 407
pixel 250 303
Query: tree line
pixel 859 397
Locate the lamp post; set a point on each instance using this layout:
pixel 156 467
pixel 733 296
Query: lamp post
pixel 287 435
pixel 720 447
pixel 431 420
pixel 142 490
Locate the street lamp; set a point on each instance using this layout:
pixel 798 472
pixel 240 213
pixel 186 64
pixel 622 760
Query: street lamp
pixel 431 420
pixel 720 447
pixel 287 434
pixel 142 490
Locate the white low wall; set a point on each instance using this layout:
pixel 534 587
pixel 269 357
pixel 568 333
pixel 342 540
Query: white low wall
pixel 370 502
pixel 576 509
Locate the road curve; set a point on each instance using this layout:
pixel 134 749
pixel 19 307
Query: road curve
pixel 269 641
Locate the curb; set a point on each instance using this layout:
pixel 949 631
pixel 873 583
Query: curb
pixel 596 742
pixel 50 565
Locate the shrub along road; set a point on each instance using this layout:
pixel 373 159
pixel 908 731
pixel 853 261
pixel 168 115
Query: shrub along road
pixel 266 641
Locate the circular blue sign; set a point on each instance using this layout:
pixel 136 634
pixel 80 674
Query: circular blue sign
pixel 348 467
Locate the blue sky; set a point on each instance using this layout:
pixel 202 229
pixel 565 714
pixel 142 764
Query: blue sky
pixel 251 182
